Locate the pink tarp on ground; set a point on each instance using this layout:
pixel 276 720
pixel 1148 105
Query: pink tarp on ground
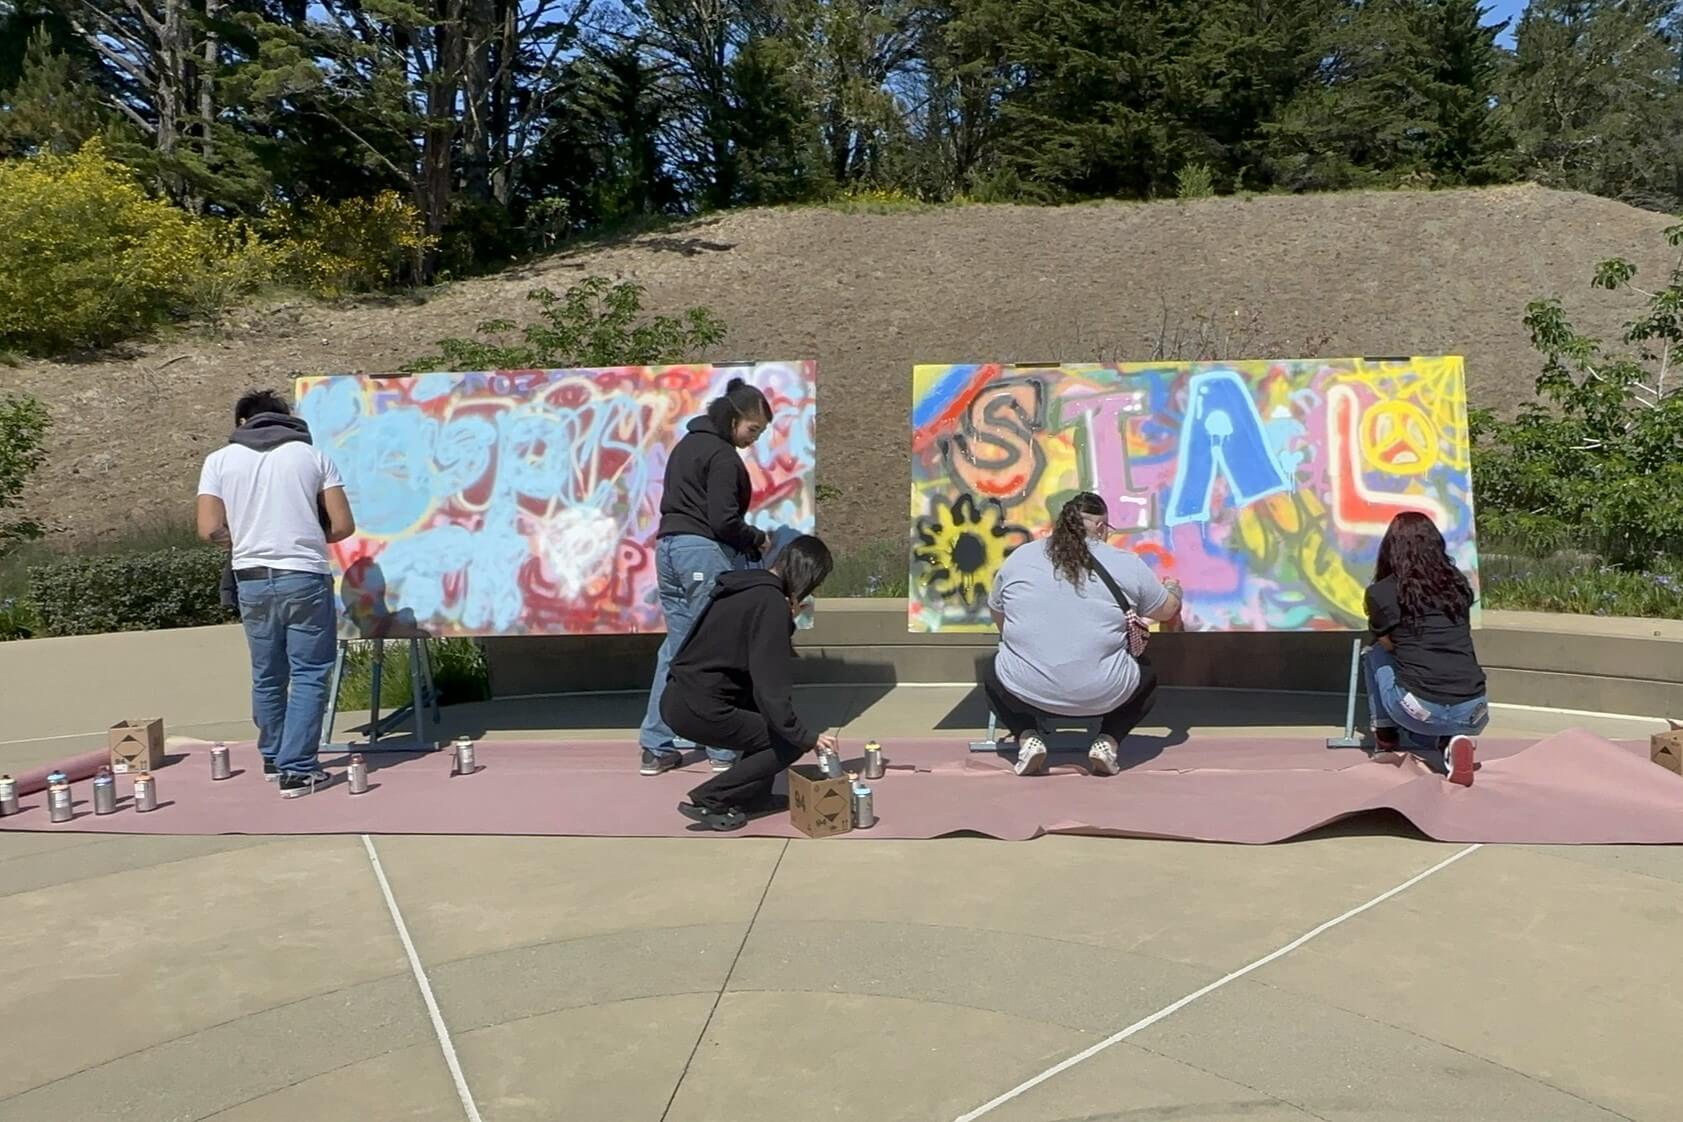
pixel 1572 788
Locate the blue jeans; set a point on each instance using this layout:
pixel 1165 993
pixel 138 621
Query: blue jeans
pixel 1419 723
pixel 686 566
pixel 289 626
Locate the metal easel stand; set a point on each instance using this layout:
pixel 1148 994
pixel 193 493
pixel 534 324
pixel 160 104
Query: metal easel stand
pixel 1351 738
pixel 991 744
pixel 421 710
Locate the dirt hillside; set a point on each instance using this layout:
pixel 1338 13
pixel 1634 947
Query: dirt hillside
pixel 870 295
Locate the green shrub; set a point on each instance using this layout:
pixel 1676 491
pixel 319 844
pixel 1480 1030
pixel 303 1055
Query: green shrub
pixel 595 323
pixel 87 258
pixel 23 434
pixel 129 592
pixel 1194 181
pixel 17 618
pixel 1597 460
pixel 354 245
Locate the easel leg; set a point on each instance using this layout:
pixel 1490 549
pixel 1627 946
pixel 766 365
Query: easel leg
pixel 374 692
pixel 419 704
pixel 1350 739
pixel 335 682
pixel 991 744
pixel 432 687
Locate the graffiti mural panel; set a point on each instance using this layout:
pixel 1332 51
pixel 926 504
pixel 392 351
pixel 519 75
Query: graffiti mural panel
pixel 1263 486
pixel 525 502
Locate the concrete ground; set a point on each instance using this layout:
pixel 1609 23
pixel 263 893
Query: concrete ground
pixel 749 980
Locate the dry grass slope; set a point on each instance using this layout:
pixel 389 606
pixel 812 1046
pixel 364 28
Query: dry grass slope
pixel 870 295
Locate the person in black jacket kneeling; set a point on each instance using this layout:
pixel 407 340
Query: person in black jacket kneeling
pixel 732 681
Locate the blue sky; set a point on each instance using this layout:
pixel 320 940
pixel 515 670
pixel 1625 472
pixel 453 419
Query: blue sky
pixel 1500 10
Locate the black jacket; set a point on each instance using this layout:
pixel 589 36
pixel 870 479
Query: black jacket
pixel 740 655
pixel 707 490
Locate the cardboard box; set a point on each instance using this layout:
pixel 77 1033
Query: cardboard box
pixel 1666 749
pixel 137 745
pixel 819 806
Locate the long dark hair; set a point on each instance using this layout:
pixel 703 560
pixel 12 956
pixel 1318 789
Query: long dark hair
pixel 1414 553
pixel 1067 547
pixel 804 564
pixel 739 401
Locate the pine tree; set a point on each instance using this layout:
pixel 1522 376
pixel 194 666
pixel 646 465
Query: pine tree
pixel 1407 94
pixel 1593 98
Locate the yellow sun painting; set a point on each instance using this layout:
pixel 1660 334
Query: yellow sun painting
pixel 963 546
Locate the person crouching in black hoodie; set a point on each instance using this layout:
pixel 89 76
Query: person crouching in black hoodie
pixel 732 681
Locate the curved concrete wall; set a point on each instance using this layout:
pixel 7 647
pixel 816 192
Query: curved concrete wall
pixel 1533 658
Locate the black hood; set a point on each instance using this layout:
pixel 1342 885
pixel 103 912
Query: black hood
pixel 745 580
pixel 268 431
pixel 704 425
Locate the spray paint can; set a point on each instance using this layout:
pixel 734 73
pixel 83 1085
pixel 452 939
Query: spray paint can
pixel 873 760
pixel 8 795
pixel 219 768
pixel 829 763
pixel 864 812
pixel 58 797
pixel 358 774
pixel 104 792
pixel 145 792
pixel 464 757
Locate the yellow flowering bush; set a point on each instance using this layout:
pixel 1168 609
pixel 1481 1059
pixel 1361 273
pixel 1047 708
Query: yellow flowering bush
pixel 355 245
pixel 86 256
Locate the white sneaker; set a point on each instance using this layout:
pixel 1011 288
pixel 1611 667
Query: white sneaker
pixel 1459 760
pixel 1103 755
pixel 1031 755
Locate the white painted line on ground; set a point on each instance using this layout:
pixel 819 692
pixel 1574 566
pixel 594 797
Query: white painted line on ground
pixel 1175 1007
pixel 1576 712
pixel 438 1027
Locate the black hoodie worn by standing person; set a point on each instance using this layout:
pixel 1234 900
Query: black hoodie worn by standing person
pixel 264 433
pixel 708 491
pixel 732 686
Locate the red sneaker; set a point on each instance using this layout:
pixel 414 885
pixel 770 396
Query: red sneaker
pixel 1459 757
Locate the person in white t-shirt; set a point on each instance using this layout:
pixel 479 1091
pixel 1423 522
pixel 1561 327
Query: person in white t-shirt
pixel 276 501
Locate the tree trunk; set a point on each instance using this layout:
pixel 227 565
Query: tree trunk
pixel 503 156
pixel 171 80
pixel 478 30
pixel 443 86
pixel 207 79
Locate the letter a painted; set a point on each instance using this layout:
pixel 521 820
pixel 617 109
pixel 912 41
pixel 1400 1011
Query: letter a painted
pixel 1222 431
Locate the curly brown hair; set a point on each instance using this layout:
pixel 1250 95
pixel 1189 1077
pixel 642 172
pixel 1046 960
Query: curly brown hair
pixel 1067 547
pixel 1413 551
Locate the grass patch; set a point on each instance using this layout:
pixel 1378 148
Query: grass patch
pixel 874 200
pixel 1581 584
pixel 458 671
pixel 878 569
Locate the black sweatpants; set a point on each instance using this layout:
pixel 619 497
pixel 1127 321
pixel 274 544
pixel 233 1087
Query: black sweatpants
pixel 1020 717
pixel 764 753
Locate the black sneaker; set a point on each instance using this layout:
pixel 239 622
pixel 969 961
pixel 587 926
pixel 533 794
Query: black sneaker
pixel 720 820
pixel 656 762
pixel 270 771
pixel 294 784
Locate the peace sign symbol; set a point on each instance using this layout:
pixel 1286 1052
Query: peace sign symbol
pixel 1398 439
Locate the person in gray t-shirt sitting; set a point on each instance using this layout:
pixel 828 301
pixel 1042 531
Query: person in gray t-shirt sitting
pixel 1063 636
